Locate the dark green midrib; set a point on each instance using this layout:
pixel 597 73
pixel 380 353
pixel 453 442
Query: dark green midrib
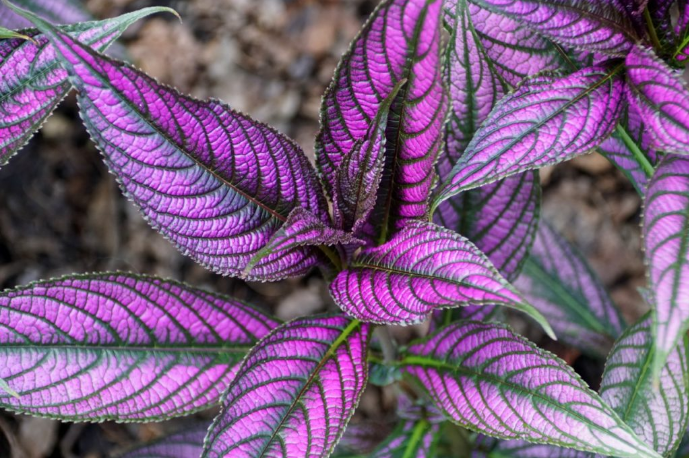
pixel 496 381
pixel 346 332
pixel 534 270
pixel 275 214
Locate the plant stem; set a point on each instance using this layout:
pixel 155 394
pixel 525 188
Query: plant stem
pixel 638 155
pixel 652 31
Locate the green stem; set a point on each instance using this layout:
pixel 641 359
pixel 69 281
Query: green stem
pixel 652 31
pixel 638 155
pixel 415 439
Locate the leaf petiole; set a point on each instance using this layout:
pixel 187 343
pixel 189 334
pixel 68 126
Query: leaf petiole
pixel 637 154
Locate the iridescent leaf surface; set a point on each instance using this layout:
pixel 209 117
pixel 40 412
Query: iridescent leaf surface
pixel 120 347
pixel 400 41
pixel 473 86
pixel 500 218
pixel 620 149
pixel 423 268
pixel 411 439
pixel 545 121
pixel 558 281
pixel 488 379
pixel 32 82
pixel 662 99
pixel 57 12
pixel 213 181
pixel 358 177
pixel 593 26
pixel 515 51
pixel 488 447
pixel 666 238
pixel 658 414
pixel 184 444
pixel 295 392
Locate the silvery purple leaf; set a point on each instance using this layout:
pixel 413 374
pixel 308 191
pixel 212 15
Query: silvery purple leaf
pixel 661 97
pixel 488 379
pixel 213 181
pixel 184 444
pixel 474 87
pixel 545 121
pixel 658 414
pixel 411 439
pixel 558 281
pixel 55 11
pixel 488 447
pixel 32 82
pixel 591 25
pixel 666 239
pixel 117 346
pixel 358 177
pixel 295 392
pixel 400 41
pixel 422 268
pixel 515 51
pixel 500 218
pixel 301 229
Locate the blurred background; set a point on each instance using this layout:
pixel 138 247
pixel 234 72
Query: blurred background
pixel 61 212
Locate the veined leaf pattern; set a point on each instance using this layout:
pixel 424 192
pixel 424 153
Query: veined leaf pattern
pixel 558 281
pixel 423 268
pixel 213 181
pixel 591 25
pixel 295 392
pixel 658 414
pixel 661 98
pixel 500 218
pixel 515 51
pixel 32 82
pixel 488 379
pixel 116 346
pixel 400 41
pixel 666 238
pixel 526 130
pixel 474 87
pixel 184 444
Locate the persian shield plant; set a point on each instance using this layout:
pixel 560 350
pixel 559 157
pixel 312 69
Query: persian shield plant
pixel 424 204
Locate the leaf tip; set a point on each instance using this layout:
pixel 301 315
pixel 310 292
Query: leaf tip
pixel 6 387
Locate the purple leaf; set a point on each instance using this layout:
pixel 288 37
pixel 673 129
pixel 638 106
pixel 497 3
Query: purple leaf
pixel 488 379
pixel 514 51
pixel 56 12
pixel 660 96
pixel 421 269
pixel 411 439
pixel 32 82
pixel 295 391
pixel 358 177
pixel 658 414
pixel 666 218
pixel 545 121
pixel 558 281
pixel 213 181
pixel 590 25
pixel 500 219
pixel 488 447
pixel 120 347
pixel 184 444
pixel 400 41
pixel 473 85
pixel 301 229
